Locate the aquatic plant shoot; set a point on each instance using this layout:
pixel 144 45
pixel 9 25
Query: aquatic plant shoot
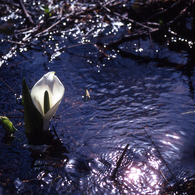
pixel 41 104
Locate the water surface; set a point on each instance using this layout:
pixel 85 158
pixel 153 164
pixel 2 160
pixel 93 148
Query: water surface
pixel 151 108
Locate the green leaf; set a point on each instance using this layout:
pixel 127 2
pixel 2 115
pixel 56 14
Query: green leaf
pixel 7 125
pixel 33 118
pixel 161 23
pixel 46 10
pixel 46 102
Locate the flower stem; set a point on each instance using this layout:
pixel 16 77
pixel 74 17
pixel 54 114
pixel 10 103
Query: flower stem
pixel 46 102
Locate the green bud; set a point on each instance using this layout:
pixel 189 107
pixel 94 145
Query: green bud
pixel 7 125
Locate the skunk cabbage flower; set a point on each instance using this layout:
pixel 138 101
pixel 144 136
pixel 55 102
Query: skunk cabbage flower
pixel 46 95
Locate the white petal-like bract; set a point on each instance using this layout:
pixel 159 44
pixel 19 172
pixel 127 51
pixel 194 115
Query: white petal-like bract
pixel 50 83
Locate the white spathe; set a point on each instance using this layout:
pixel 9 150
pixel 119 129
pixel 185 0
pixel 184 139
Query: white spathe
pixel 50 83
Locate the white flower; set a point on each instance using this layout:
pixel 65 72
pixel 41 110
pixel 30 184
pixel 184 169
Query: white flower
pixel 46 95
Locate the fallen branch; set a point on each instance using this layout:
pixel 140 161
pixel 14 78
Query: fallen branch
pixel 137 23
pixel 28 17
pixel 16 42
pixel 164 10
pixel 126 38
pixel 182 13
pixel 131 20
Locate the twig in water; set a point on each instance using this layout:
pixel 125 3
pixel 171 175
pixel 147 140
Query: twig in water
pixel 182 13
pixel 164 10
pixel 7 85
pixel 16 42
pixel 161 156
pixel 26 13
pixel 119 162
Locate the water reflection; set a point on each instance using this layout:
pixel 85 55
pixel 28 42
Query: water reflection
pixel 119 115
pixel 125 99
pixel 134 175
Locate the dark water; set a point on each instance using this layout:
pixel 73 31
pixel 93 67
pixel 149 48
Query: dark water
pixel 130 103
pixel 144 111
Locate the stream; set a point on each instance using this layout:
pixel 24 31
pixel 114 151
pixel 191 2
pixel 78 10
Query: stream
pixel 149 107
pixel 133 135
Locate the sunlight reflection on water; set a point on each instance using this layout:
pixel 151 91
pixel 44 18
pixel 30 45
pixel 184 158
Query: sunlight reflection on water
pixel 133 176
pixel 125 99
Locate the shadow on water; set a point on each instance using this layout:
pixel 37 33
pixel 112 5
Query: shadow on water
pixel 134 135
